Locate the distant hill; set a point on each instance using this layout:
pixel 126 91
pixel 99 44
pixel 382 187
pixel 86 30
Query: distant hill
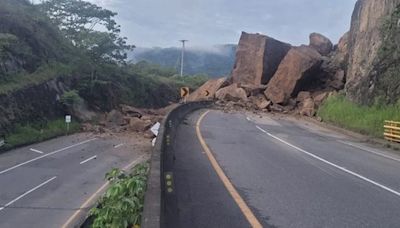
pixel 215 61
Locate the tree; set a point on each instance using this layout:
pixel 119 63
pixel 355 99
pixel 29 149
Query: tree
pixel 78 19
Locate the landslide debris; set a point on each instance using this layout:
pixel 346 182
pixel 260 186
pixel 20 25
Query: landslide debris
pixel 272 76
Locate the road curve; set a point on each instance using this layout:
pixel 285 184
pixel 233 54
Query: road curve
pixel 289 174
pixel 45 184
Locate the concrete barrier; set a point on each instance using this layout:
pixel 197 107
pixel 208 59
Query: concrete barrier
pixel 154 206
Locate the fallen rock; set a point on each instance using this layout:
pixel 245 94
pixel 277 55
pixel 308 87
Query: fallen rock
pixel 276 108
pixel 131 111
pixel 308 108
pixel 319 98
pixel 139 125
pixel 321 43
pixel 115 117
pixel 303 95
pixel 253 90
pixel 297 72
pixel 231 93
pixel 207 90
pixel 260 101
pixel 257 58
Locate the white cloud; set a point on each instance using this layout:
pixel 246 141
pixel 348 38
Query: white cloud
pixel 207 22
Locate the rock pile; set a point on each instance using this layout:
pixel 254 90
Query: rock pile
pixel 273 76
pixel 127 118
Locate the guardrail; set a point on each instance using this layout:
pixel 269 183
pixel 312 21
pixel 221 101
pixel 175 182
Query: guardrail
pixel 154 205
pixel 392 131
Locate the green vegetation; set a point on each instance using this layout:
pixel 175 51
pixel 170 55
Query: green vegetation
pixel 122 204
pixel 78 20
pixel 42 74
pixel 31 133
pixel 71 98
pixel 388 67
pixel 363 119
pixel 61 39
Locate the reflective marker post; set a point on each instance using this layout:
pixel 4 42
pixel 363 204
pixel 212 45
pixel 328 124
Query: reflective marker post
pixel 68 121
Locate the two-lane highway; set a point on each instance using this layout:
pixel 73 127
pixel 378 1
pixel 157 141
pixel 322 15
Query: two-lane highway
pixel 46 184
pixel 240 170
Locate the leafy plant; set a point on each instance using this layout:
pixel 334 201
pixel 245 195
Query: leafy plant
pixel 71 98
pixel 122 204
pixel 78 19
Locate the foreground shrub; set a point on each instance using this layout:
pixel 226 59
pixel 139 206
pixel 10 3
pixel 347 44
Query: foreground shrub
pixel 122 204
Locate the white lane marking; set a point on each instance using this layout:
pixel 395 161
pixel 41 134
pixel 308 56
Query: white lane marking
pixel 37 151
pixel 369 150
pixel 26 193
pixel 332 164
pixel 91 158
pixel 248 118
pixel 46 155
pixel 119 145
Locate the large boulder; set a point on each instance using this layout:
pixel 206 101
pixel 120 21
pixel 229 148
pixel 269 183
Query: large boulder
pixel 231 93
pixel 139 125
pixel 297 72
pixel 207 90
pixel 365 39
pixel 308 108
pixel 321 43
pixel 257 58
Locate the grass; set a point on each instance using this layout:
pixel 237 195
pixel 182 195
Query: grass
pixel 367 120
pixel 32 133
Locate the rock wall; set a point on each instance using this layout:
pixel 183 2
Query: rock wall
pixel 257 58
pixel 35 103
pixel 364 42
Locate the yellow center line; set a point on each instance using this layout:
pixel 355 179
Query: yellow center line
pixel 251 218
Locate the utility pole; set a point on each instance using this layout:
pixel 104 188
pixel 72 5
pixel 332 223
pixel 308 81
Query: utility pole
pixel 182 55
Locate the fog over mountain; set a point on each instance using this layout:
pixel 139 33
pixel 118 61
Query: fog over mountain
pixel 214 61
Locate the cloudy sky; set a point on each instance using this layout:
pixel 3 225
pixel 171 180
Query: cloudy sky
pixel 150 23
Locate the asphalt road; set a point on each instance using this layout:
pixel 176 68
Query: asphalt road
pixel 43 185
pixel 289 173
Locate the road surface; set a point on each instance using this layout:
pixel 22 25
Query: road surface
pixel 45 184
pixel 286 173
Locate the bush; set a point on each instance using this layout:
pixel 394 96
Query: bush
pixel 122 204
pixel 363 119
pixel 71 98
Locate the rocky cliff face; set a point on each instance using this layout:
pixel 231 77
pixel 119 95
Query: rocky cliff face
pixel 257 58
pixel 364 42
pixel 34 104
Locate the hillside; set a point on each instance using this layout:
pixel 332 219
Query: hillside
pixel 216 61
pixel 44 74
